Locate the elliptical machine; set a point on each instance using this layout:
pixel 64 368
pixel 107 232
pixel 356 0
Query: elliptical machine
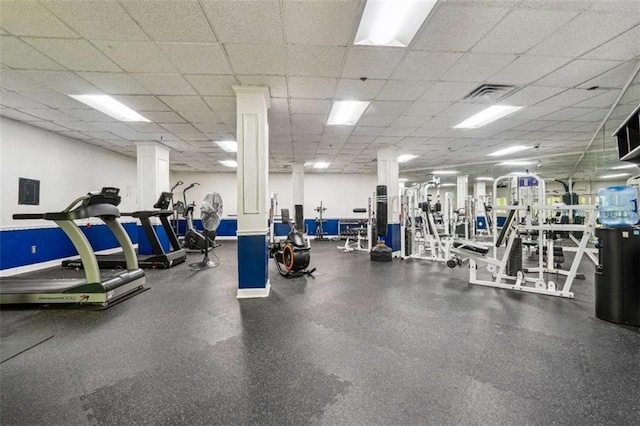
pixel 292 256
pixel 194 239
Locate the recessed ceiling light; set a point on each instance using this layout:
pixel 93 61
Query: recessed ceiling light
pixel 625 166
pixel 107 105
pixel 487 116
pixel 481 178
pixel 510 150
pixel 321 165
pixel 518 174
pixel 444 172
pixel 447 184
pixel 406 157
pixel 615 175
pixel 229 163
pixel 228 146
pixel 516 163
pixel 346 113
pixel 403 180
pixel 392 22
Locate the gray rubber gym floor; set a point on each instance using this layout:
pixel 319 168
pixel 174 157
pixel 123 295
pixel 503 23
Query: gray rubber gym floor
pixel 362 343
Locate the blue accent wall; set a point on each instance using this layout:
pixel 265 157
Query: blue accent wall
pixel 53 243
pixel 329 226
pixel 253 261
pixel 392 239
pixel 229 227
pixel 144 247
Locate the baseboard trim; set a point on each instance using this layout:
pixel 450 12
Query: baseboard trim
pixel 250 293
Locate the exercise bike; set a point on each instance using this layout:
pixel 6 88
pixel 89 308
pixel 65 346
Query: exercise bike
pixel 194 239
pixel 292 256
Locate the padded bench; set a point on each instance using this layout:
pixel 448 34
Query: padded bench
pixel 469 245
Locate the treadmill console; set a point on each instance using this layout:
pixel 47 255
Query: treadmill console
pixel 108 195
pixel 164 201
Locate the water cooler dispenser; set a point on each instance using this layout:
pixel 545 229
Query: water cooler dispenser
pixel 617 280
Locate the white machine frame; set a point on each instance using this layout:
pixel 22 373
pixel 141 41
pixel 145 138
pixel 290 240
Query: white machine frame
pixel 357 244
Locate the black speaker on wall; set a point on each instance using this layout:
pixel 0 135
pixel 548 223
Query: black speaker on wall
pixel 28 191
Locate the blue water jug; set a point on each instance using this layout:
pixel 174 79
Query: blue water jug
pixel 618 205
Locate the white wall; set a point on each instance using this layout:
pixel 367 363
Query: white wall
pixel 66 169
pixel 340 193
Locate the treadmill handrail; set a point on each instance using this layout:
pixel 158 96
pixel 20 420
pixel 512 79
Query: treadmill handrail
pixel 93 210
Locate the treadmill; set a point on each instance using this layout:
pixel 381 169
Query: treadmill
pixel 93 289
pixel 159 259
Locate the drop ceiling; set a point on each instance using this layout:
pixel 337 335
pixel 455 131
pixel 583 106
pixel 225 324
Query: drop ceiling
pixel 175 62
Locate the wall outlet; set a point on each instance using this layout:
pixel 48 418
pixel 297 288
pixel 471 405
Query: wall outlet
pixel 33 249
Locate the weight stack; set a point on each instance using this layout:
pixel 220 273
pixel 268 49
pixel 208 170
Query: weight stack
pixel 514 262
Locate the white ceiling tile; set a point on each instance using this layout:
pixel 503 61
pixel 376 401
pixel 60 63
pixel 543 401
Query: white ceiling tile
pixel 375 120
pixel 361 139
pixel 367 131
pixel 212 128
pixel 476 67
pixel 74 135
pixel 214 85
pixel 142 103
pixel 387 108
pixel 567 114
pixel 307 124
pixel 197 58
pixel 326 23
pixel 522 29
pixel 398 90
pixel 15 100
pixel 531 95
pixel 175 20
pixel 18 54
pixel 193 136
pixel 371 62
pixel 426 109
pixel 447 91
pixel 312 87
pixel 558 4
pixel 180 128
pixel 246 21
pixel 398 131
pixel 528 68
pixel 136 56
pixel 83 126
pixel 17 115
pixel 49 114
pixel 587 31
pixel 88 115
pixel 64 82
pixel 277 85
pixel 279 105
pixel 202 116
pixel 315 61
pixel 349 89
pixel 77 55
pixel 114 83
pixel 47 125
pixel 622 48
pixel 19 81
pixel 596 115
pixel 310 106
pixel 616 77
pixel 576 73
pixel 257 58
pixel 221 103
pixel 604 100
pixel 165 84
pixel 97 20
pixel 570 97
pixel 418 65
pixel 29 18
pixel 409 121
pixel 163 117
pixel 468 23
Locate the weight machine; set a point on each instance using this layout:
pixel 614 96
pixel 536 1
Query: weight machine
pixel 319 231
pixel 363 238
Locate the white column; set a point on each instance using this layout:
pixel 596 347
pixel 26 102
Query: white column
pixel 388 172
pixel 479 191
pixel 462 191
pixel 297 186
pixel 153 173
pixel 253 187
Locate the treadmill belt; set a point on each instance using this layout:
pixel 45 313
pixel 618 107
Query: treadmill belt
pixel 30 285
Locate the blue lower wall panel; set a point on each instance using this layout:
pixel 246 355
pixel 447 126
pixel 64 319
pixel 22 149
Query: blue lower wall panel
pixel 229 227
pixel 329 226
pixel 392 239
pixel 253 261
pixel 501 220
pixel 481 223
pixel 144 247
pixel 53 243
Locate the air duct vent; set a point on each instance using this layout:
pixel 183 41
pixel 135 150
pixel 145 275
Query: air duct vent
pixel 488 93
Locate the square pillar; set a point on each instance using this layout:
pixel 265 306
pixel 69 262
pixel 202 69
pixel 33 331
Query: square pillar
pixel 462 191
pixel 253 187
pixel 297 185
pixel 388 172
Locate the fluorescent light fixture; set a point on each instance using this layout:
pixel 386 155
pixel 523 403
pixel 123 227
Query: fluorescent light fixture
pixel 321 165
pixel 615 175
pixel 346 113
pixel 406 157
pixel 487 116
pixel 403 180
pixel 229 163
pixel 228 146
pixel 481 178
pixel 444 172
pixel 518 174
pixel 625 166
pixel 447 184
pixel 516 163
pixel 107 105
pixel 510 150
pixel 392 22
